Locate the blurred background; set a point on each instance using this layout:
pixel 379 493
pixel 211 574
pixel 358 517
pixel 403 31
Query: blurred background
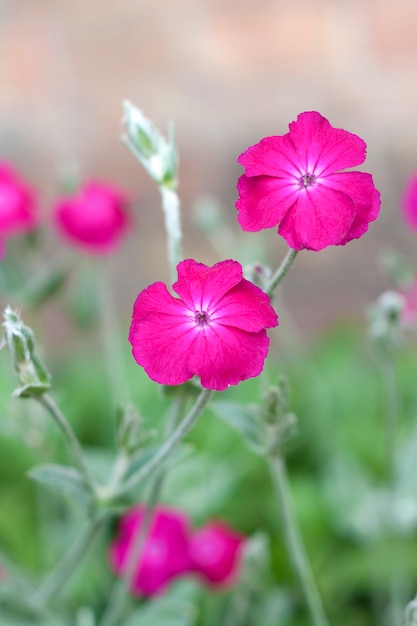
pixel 226 72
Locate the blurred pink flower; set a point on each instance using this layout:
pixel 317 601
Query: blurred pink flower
pixel 293 182
pixel 215 329
pixel 215 553
pixel 409 310
pixel 165 554
pixel 17 205
pixel 410 202
pixel 95 218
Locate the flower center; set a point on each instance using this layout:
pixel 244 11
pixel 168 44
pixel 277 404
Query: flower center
pixel 201 318
pixel 307 180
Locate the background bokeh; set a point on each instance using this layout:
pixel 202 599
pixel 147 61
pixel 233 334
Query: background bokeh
pixel 226 72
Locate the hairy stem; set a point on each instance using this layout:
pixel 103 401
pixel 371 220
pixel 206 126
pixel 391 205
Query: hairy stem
pixel 170 444
pixel 50 405
pixel 294 542
pixel 281 271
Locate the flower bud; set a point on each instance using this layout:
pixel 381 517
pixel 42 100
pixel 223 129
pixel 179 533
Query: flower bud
pixel 33 376
pixel 157 155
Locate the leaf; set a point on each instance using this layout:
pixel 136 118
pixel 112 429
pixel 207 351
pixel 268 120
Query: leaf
pixel 163 612
pixel 244 420
pixel 61 478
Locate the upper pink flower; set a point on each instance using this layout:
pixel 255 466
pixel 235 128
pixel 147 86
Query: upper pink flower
pixel 165 554
pixel 214 330
pixel 95 218
pixel 294 182
pixel 410 202
pixel 17 206
pixel 215 552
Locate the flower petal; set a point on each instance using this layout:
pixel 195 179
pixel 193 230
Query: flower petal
pixel 223 356
pixel 263 201
pixel 360 187
pixel 161 334
pixel 323 149
pixel 246 307
pixel 321 217
pixel 272 156
pixel 201 287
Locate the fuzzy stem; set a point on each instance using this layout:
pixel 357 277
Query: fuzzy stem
pixel 281 271
pixel 50 405
pixel 171 209
pixel 294 542
pixel 55 581
pixel 170 444
pixel 123 586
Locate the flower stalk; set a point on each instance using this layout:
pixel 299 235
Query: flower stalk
pixel 281 271
pixel 170 444
pixel 58 577
pixel 294 542
pixel 50 405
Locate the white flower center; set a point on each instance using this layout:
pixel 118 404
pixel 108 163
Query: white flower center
pixel 306 181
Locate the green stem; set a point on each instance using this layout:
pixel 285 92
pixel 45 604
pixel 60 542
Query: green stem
pixel 392 411
pixel 170 444
pixel 50 405
pixel 123 586
pixel 55 581
pixel 281 271
pixel 294 542
pixel 171 209
pixel 395 589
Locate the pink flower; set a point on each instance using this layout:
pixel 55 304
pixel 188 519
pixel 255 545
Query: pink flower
pixel 214 330
pixel 410 202
pixel 294 182
pixel 165 555
pixel 17 206
pixel 409 310
pixel 95 218
pixel 215 552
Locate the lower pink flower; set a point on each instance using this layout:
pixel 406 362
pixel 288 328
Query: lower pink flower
pixel 216 329
pixel 215 553
pixel 165 555
pixel 95 218
pixel 17 205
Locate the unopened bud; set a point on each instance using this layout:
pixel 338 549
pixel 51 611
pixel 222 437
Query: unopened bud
pixel 157 155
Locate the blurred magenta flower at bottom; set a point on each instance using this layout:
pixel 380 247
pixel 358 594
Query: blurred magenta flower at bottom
pixel 165 554
pixel 95 218
pixel 215 552
pixel 172 549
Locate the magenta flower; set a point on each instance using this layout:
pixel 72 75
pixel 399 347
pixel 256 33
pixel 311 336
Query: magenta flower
pixel 17 206
pixel 165 555
pixel 294 182
pixel 215 553
pixel 95 218
pixel 410 202
pixel 214 330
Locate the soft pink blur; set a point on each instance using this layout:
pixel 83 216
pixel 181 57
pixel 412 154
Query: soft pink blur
pixel 173 549
pixel 95 219
pixel 215 552
pixel 17 205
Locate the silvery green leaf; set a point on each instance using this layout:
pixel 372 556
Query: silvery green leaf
pixel 163 612
pixel 244 420
pixel 62 479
